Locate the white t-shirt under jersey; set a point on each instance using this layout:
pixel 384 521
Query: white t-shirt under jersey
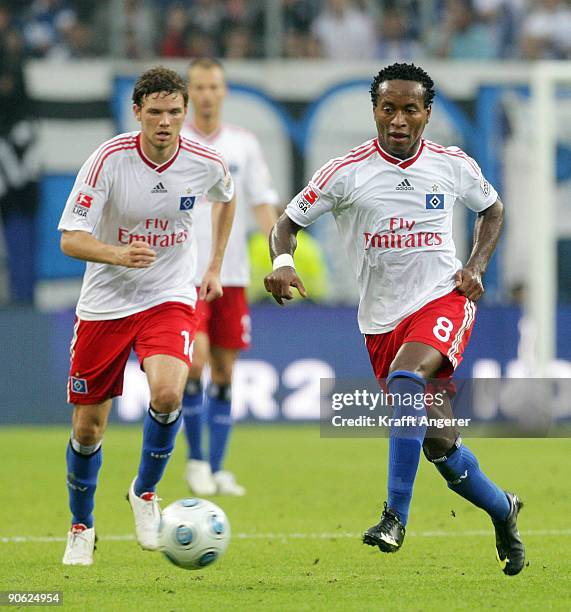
pixel 395 220
pixel 253 184
pixel 120 196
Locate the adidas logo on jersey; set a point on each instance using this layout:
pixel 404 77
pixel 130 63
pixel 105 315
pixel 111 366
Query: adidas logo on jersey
pixel 405 186
pixel 159 188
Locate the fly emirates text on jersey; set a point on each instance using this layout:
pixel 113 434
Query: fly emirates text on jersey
pixel 401 236
pixel 158 233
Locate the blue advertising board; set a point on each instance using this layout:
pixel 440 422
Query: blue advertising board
pixel 277 379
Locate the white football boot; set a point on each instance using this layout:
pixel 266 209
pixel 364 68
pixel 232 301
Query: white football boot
pixel 226 484
pixel 198 476
pixel 147 513
pixel 80 545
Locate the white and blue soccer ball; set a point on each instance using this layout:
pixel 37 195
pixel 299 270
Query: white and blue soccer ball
pixel 193 533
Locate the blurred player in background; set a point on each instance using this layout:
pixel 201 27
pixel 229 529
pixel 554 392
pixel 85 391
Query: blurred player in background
pixel 392 199
pixel 130 216
pixel 224 328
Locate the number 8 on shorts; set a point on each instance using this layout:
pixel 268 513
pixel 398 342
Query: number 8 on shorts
pixel 443 329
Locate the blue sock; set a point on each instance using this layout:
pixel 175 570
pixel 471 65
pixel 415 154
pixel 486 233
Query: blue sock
pixel 193 417
pixel 82 471
pixel 405 443
pixel 462 471
pixel 219 422
pixel 159 433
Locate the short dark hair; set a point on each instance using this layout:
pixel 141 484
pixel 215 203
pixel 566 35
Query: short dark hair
pixel 404 72
pixel 156 80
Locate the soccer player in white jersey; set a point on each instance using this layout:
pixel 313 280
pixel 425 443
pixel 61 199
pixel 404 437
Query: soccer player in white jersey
pixel 130 217
pixel 392 199
pixel 224 327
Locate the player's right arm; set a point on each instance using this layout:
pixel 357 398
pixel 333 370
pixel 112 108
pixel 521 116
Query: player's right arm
pixel 82 245
pixel 283 243
pixel 84 208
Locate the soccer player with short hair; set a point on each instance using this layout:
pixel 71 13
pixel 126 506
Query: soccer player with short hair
pixel 224 328
pixel 130 217
pixel 392 199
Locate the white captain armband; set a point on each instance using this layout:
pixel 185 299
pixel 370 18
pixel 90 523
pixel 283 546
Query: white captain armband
pixel 285 259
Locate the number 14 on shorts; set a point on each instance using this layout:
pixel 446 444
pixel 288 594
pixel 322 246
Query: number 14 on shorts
pixel 188 345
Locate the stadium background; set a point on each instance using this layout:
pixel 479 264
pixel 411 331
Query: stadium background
pixel 307 101
pixel 299 79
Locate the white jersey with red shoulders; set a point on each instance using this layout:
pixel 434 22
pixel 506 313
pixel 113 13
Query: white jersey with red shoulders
pixel 395 220
pixel 253 184
pixel 121 196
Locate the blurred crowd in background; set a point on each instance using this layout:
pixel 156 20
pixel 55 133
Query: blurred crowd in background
pixel 339 30
pixel 333 29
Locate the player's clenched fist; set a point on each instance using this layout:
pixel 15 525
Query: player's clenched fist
pixel 469 283
pixel 211 287
pixel 280 281
pixel 137 254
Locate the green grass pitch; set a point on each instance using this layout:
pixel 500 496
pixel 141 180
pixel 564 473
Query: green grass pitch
pixel 296 535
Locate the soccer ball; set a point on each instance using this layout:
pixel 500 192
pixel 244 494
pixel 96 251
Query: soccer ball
pixel 193 533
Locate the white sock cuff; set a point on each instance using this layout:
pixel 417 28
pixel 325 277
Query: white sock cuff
pixel 165 418
pixel 84 449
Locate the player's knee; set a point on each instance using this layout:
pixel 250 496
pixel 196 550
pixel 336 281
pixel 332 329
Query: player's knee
pixel 88 432
pixel 417 370
pixel 165 399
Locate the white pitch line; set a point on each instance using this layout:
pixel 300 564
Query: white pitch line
pixel 298 536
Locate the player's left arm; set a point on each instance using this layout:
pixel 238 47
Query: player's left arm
pixel 266 216
pixel 486 234
pixel 222 217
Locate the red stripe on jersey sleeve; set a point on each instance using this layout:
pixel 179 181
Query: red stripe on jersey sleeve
pixel 204 153
pixel 338 160
pixel 109 152
pixel 436 148
pixel 364 155
pixel 104 148
pixel 205 149
pixel 199 145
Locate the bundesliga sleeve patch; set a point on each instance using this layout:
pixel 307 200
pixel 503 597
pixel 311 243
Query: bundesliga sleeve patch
pixel 84 200
pixel 82 205
pixel 307 198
